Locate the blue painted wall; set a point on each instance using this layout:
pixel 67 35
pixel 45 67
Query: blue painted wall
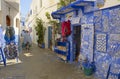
pixel 107 41
pixel 100 37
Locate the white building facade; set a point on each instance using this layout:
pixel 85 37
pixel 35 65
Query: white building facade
pixel 38 9
pixel 10 8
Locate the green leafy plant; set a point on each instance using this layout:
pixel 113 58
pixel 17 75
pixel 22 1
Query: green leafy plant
pixel 63 3
pixel 40 29
pixel 54 24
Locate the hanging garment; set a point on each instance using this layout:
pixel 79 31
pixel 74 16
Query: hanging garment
pixel 9 34
pixel 63 28
pixel 10 51
pixel 66 28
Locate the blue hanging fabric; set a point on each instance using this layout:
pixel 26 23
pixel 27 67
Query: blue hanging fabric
pixel 9 35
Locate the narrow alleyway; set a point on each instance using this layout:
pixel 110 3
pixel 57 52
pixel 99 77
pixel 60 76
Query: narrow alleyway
pixel 40 64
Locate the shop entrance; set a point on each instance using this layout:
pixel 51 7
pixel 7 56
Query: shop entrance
pixel 77 41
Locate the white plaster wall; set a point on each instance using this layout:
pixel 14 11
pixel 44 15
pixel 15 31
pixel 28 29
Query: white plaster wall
pixel 50 8
pixel 3 13
pixel 47 6
pixel 14 14
pixel 0 19
pixel 0 5
pixel 110 3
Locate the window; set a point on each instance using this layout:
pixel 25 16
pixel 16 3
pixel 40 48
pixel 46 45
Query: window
pixel 76 13
pixel 8 21
pixel 17 22
pixel 30 12
pixel 40 3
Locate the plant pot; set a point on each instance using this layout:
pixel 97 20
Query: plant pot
pixel 88 68
pixel 88 71
pixel 43 45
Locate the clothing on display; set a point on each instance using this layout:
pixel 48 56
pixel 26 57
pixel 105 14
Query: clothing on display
pixel 10 51
pixel 66 28
pixel 9 34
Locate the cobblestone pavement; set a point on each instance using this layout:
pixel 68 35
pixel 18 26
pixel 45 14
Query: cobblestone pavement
pixel 40 64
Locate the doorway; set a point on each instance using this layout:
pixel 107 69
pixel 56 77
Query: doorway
pixel 8 21
pixel 50 37
pixel 77 41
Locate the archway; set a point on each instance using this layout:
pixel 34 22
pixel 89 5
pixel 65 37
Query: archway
pixel 8 20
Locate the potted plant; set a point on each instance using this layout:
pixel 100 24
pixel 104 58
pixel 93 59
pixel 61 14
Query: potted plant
pixel 40 29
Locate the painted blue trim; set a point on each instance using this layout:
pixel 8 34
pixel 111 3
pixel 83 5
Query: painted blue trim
pixel 72 6
pixel 107 42
pixel 112 73
pixel 68 50
pixel 69 12
pixel 63 9
pixel 71 47
pixel 87 13
pixel 61 43
pixel 3 57
pixel 55 16
pixel 81 1
pixel 94 44
pixel 62 52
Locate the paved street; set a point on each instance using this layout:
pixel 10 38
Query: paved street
pixel 40 64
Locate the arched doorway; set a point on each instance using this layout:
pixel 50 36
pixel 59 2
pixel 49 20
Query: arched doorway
pixel 8 21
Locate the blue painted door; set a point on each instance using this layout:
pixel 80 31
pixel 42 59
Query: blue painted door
pixel 49 36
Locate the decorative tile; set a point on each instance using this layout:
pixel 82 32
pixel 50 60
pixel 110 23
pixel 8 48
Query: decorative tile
pixel 102 61
pixel 87 41
pixel 105 20
pixel 114 45
pixel 88 8
pixel 98 27
pixel 114 20
pixel 101 42
pixel 98 13
pixel 90 18
pixel 83 19
pixel 98 20
pixel 115 37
